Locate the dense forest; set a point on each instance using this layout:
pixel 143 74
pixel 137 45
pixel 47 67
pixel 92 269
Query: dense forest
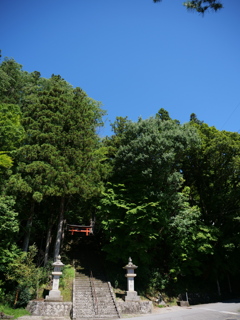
pixel 165 193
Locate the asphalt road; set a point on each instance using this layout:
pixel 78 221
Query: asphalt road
pixel 213 311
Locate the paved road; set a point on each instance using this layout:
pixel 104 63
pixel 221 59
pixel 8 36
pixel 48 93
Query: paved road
pixel 213 311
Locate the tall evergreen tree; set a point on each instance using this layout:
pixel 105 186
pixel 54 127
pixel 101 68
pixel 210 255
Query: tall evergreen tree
pixel 59 157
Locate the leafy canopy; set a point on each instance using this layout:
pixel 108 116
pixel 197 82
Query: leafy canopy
pixel 201 6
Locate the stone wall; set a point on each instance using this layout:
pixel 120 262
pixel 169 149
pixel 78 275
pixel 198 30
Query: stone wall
pixel 127 307
pixel 51 309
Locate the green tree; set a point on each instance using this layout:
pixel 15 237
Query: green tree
pixel 60 156
pixel 10 81
pixel 11 135
pixel 5 160
pixel 9 227
pixel 192 241
pixel 212 170
pixel 23 272
pixel 163 115
pixel 11 129
pixel 201 6
pixel 145 189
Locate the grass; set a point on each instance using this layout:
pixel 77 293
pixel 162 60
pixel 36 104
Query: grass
pixel 16 313
pixel 66 282
pixel 171 301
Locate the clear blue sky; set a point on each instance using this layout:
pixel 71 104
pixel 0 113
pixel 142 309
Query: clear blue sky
pixel 133 55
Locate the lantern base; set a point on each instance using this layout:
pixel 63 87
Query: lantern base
pixel 54 295
pixel 132 296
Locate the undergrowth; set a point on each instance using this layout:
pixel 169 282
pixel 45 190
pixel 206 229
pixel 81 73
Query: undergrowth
pixel 66 282
pixel 16 313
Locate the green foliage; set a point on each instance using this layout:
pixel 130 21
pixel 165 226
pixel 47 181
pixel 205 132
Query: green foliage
pixel 212 173
pixel 163 115
pixel 157 281
pixel 201 6
pixel 60 141
pixel 23 272
pixel 61 155
pixel 126 228
pixel 171 195
pixel 16 313
pixel 66 282
pixel 194 242
pixel 9 227
pixel 11 134
pixel 11 83
pixel 137 207
pixel 8 222
pixel 11 130
pixel 5 160
pixel 68 273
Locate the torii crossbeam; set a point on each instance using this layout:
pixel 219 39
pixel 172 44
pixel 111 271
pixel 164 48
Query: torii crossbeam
pixel 79 228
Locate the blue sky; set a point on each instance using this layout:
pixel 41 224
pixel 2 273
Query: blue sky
pixel 133 55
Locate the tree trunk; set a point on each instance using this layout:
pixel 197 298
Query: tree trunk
pixel 63 233
pixel 59 231
pixel 28 228
pixel 218 287
pixel 229 284
pixel 48 242
pixel 16 298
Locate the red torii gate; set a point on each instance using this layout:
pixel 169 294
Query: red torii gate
pixel 79 228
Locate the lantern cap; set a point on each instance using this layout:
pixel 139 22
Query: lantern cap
pixel 58 262
pixel 130 265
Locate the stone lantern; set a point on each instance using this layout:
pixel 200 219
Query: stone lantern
pixel 55 294
pixel 131 294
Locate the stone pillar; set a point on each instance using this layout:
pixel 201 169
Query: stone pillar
pixel 55 294
pixel 131 294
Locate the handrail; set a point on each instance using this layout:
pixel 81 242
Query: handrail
pixel 74 299
pixel 113 298
pixel 95 299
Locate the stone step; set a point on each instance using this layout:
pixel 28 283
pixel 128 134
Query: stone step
pixel 104 311
pixel 82 309
pixel 85 290
pixel 84 294
pixel 84 300
pixel 97 317
pixel 79 280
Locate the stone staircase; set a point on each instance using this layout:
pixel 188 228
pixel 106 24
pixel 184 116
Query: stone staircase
pixel 93 297
pixel 83 304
